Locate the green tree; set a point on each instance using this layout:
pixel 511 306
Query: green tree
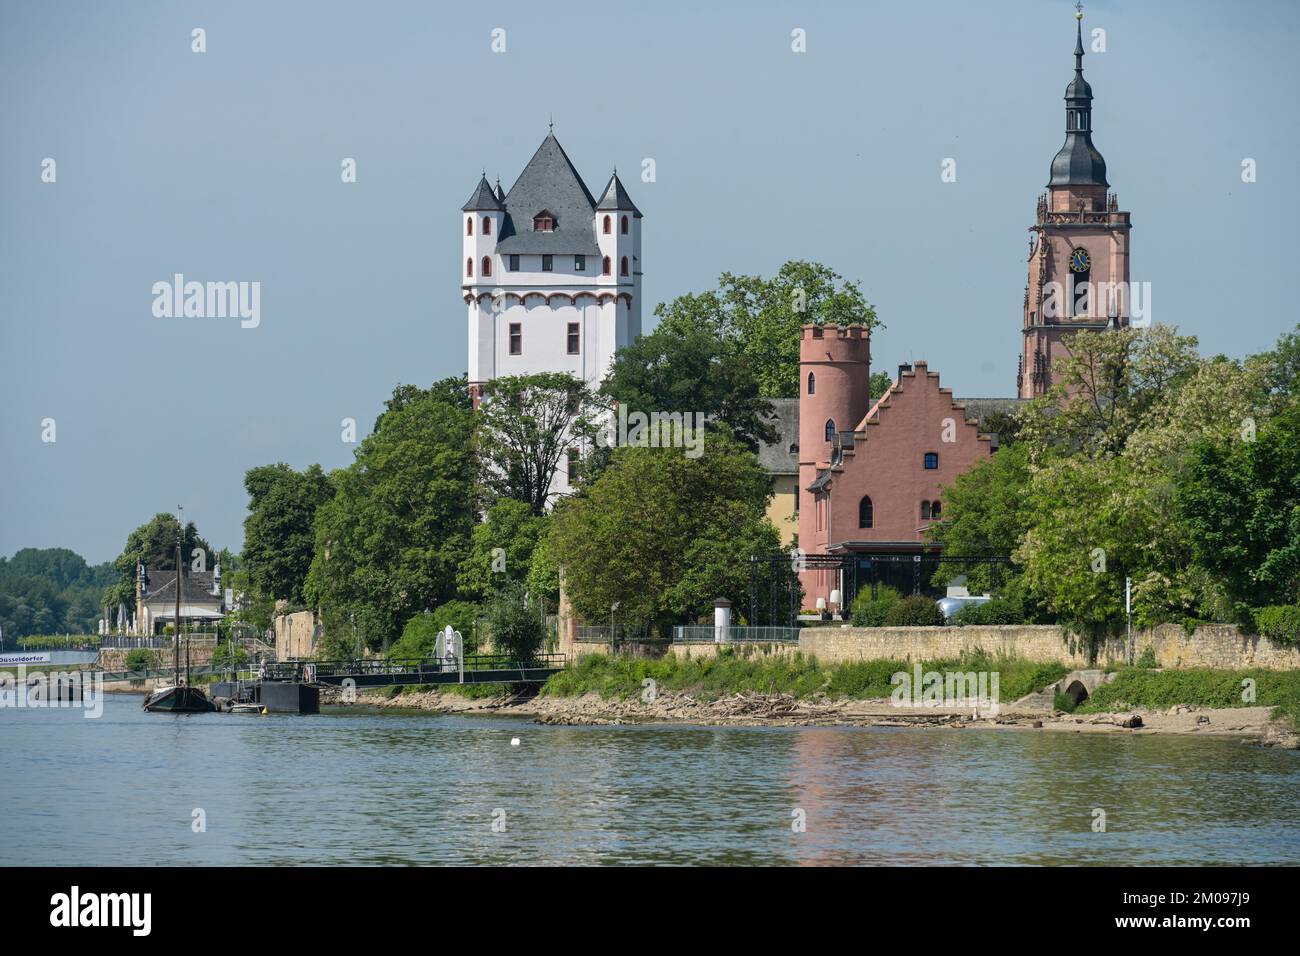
pixel 662 534
pixel 511 527
pixel 154 543
pixel 527 423
pixel 691 370
pixel 515 627
pixel 453 390
pixel 279 537
pixel 1241 502
pixel 391 539
pixel 421 631
pixel 986 512
pixel 761 318
pixel 879 384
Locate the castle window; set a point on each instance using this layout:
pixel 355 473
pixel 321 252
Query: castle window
pixel 516 339
pixel 579 263
pixel 623 226
pixel 543 222
pixel 866 513
pixel 548 263
pixel 469 267
pixel 931 460
pixel 487 226
pixel 812 384
pixel 571 461
pixel 469 226
pixel 487 266
pixel 605 266
pixel 573 338
pixel 936 507
pixel 622 267
pixel 830 429
pixel 608 225
pixel 514 263
pixel 925 511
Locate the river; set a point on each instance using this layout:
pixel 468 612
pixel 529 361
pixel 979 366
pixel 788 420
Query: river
pixel 357 787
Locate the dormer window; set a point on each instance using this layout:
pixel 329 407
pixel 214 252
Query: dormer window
pixel 543 222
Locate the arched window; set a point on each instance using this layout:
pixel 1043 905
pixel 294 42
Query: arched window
pixel 623 226
pixel 487 225
pixel 469 267
pixel 931 460
pixel 469 226
pixel 609 227
pixel 487 266
pixel 622 267
pixel 925 511
pixel 830 429
pixel 812 384
pixel 866 513
pixel 936 508
pixel 604 266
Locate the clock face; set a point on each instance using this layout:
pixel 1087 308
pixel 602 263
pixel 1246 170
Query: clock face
pixel 1079 260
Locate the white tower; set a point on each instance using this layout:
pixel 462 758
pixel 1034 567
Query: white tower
pixel 547 288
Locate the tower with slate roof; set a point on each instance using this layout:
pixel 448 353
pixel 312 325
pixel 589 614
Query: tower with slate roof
pixel 551 275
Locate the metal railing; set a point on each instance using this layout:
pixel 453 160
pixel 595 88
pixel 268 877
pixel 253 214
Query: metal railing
pixel 617 634
pixel 293 670
pixel 734 634
pixel 129 642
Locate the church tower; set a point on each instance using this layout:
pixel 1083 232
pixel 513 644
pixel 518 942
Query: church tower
pixel 1079 251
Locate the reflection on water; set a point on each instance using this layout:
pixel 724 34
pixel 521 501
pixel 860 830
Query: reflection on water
pixel 413 788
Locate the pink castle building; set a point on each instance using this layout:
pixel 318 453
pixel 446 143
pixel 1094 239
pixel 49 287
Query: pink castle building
pixel 870 474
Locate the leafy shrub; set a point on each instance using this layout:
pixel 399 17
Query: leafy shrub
pixel 228 653
pixel 1280 623
pixel 141 659
pixel 915 611
pixel 1065 702
pixel 870 612
pixel 1147 659
pixel 421 632
pixel 995 611
pixel 515 626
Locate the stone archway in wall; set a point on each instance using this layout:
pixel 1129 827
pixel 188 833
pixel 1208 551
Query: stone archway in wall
pixel 1077 692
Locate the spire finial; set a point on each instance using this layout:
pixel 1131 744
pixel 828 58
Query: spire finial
pixel 550 123
pixel 1078 37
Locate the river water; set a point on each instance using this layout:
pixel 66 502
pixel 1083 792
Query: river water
pixel 350 787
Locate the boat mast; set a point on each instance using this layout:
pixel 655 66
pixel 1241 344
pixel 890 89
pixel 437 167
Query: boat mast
pixel 177 655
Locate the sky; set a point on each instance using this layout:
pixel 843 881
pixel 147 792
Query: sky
pixel 226 165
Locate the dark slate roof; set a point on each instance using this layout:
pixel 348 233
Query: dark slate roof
pixel 197 587
pixel 483 198
pixel 549 182
pixel 616 197
pixel 782 456
pixel 1078 163
pixel 500 194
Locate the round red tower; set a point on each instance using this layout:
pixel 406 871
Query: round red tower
pixel 834 396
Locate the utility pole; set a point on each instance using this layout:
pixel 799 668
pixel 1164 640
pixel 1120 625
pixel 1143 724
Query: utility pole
pixel 1128 615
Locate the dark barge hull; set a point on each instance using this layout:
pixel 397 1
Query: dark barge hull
pixel 179 700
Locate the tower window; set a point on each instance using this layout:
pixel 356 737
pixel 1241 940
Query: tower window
pixel 812 384
pixel 469 268
pixel 931 460
pixel 469 226
pixel 608 227
pixel 866 513
pixel 623 226
pixel 548 263
pixel 830 429
pixel 605 266
pixel 487 266
pixel 514 263
pixel 579 263
pixel 516 339
pixel 573 338
pixel 571 463
pixel 622 267
pixel 487 226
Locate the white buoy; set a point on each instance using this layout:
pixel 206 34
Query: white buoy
pixel 514 741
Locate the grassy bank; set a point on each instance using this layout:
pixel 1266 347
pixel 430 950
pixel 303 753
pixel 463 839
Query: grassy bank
pixel 803 677
pixel 1136 687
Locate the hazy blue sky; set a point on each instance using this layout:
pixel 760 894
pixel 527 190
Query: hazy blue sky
pixel 225 166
